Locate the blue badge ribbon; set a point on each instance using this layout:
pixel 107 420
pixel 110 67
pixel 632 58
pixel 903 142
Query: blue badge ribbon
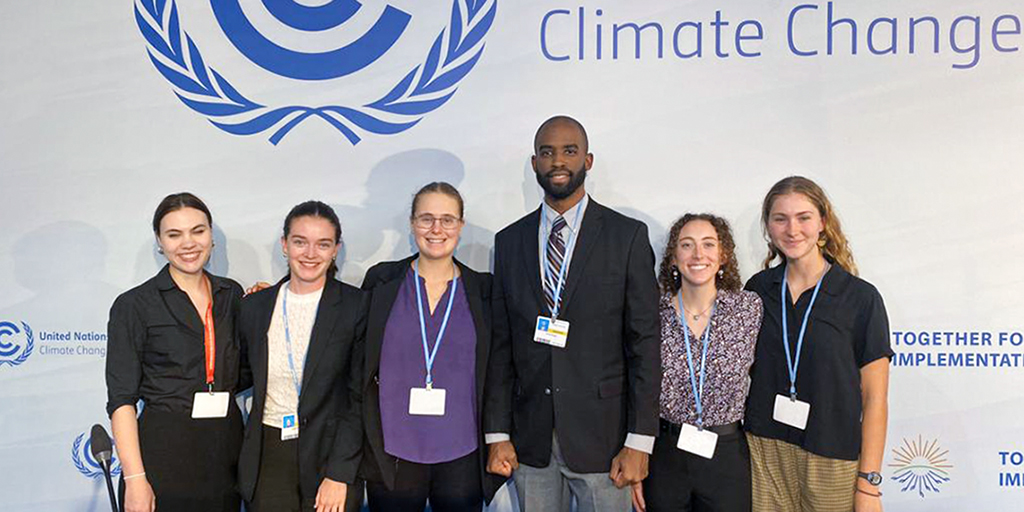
pixel 790 362
pixel 429 354
pixel 288 339
pixel 698 391
pixel 556 295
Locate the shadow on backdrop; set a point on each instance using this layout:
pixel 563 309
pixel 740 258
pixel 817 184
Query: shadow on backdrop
pixel 378 229
pixel 63 265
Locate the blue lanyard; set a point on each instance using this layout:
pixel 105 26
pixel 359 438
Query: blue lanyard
pixel 288 339
pixel 429 354
pixel 794 364
pixel 698 393
pixel 557 295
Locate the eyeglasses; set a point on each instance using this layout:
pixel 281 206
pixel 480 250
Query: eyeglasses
pixel 426 221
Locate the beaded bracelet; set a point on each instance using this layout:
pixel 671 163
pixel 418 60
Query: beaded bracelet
pixel 879 495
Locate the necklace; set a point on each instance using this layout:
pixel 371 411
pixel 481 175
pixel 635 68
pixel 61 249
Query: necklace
pixel 696 316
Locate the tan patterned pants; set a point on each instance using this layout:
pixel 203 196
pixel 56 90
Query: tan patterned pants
pixel 787 478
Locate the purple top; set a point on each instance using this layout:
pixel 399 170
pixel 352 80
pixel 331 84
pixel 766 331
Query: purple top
pixel 428 439
pixel 734 328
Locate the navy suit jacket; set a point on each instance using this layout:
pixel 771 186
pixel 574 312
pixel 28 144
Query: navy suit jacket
pixel 606 382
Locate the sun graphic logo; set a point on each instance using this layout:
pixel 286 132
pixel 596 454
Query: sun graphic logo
pixel 16 343
pixel 920 466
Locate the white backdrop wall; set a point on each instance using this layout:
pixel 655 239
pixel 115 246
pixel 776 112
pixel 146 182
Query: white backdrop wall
pixel 920 150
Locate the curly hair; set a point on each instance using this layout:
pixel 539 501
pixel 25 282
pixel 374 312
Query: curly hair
pixel 833 242
pixel 730 278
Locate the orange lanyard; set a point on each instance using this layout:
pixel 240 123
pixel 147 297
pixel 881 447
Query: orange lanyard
pixel 210 339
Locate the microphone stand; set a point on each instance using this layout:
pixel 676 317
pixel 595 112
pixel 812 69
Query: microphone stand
pixel 105 464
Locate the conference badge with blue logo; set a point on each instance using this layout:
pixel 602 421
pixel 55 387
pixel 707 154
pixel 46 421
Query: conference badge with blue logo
pixel 257 30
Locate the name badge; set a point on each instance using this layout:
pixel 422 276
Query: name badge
pixel 210 405
pixel 426 401
pixel 290 427
pixel 697 441
pixel 791 412
pixel 551 331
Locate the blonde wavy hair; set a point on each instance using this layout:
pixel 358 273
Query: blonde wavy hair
pixel 833 243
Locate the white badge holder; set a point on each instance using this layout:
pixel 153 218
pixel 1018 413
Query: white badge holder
pixel 551 331
pixel 426 401
pixel 290 427
pixel 697 441
pixel 791 411
pixel 210 405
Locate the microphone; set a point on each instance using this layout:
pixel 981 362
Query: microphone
pixel 100 445
pixel 103 452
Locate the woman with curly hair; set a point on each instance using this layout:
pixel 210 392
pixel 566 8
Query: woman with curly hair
pixel 817 412
pixel 708 329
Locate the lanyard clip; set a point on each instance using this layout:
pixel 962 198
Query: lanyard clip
pixel 792 396
pixel 430 384
pixel 210 387
pixel 700 424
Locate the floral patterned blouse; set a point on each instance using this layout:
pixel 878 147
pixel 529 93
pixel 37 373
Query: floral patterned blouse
pixel 734 326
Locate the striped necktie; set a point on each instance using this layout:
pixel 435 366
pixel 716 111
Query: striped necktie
pixel 556 256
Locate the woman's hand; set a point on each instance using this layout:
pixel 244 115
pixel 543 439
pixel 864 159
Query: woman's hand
pixel 331 496
pixel 138 495
pixel 260 285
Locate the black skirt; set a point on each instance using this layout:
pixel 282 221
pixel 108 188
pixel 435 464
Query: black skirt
pixel 191 463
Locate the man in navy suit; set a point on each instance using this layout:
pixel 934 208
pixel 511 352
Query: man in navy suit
pixel 575 371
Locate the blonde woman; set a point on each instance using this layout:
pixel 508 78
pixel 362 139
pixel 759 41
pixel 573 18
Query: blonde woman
pixel 817 410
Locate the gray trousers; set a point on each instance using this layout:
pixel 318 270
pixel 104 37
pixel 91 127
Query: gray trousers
pixel 552 489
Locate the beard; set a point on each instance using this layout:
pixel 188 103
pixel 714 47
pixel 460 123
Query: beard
pixel 559 192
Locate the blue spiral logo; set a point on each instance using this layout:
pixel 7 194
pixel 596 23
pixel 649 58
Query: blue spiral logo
pixel 85 463
pixel 16 344
pixel 428 86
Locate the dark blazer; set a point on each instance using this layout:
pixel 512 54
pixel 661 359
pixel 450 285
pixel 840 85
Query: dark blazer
pixel 330 429
pixel 384 280
pixel 606 382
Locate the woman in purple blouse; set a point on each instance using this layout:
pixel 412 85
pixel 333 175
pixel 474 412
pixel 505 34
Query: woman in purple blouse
pixel 709 326
pixel 428 338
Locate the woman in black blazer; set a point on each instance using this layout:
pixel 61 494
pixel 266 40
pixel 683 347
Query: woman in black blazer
pixel 303 341
pixel 428 339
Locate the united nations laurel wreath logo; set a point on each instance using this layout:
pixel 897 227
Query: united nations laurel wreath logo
pixel 427 87
pixel 920 466
pixel 81 457
pixel 11 352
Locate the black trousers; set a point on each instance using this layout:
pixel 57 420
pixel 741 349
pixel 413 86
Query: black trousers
pixel 277 489
pixel 191 464
pixel 680 481
pixel 451 487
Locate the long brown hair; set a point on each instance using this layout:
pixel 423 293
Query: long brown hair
pixel 730 278
pixel 833 243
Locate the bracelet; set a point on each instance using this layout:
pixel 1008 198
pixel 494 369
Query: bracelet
pixel 136 475
pixel 879 495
